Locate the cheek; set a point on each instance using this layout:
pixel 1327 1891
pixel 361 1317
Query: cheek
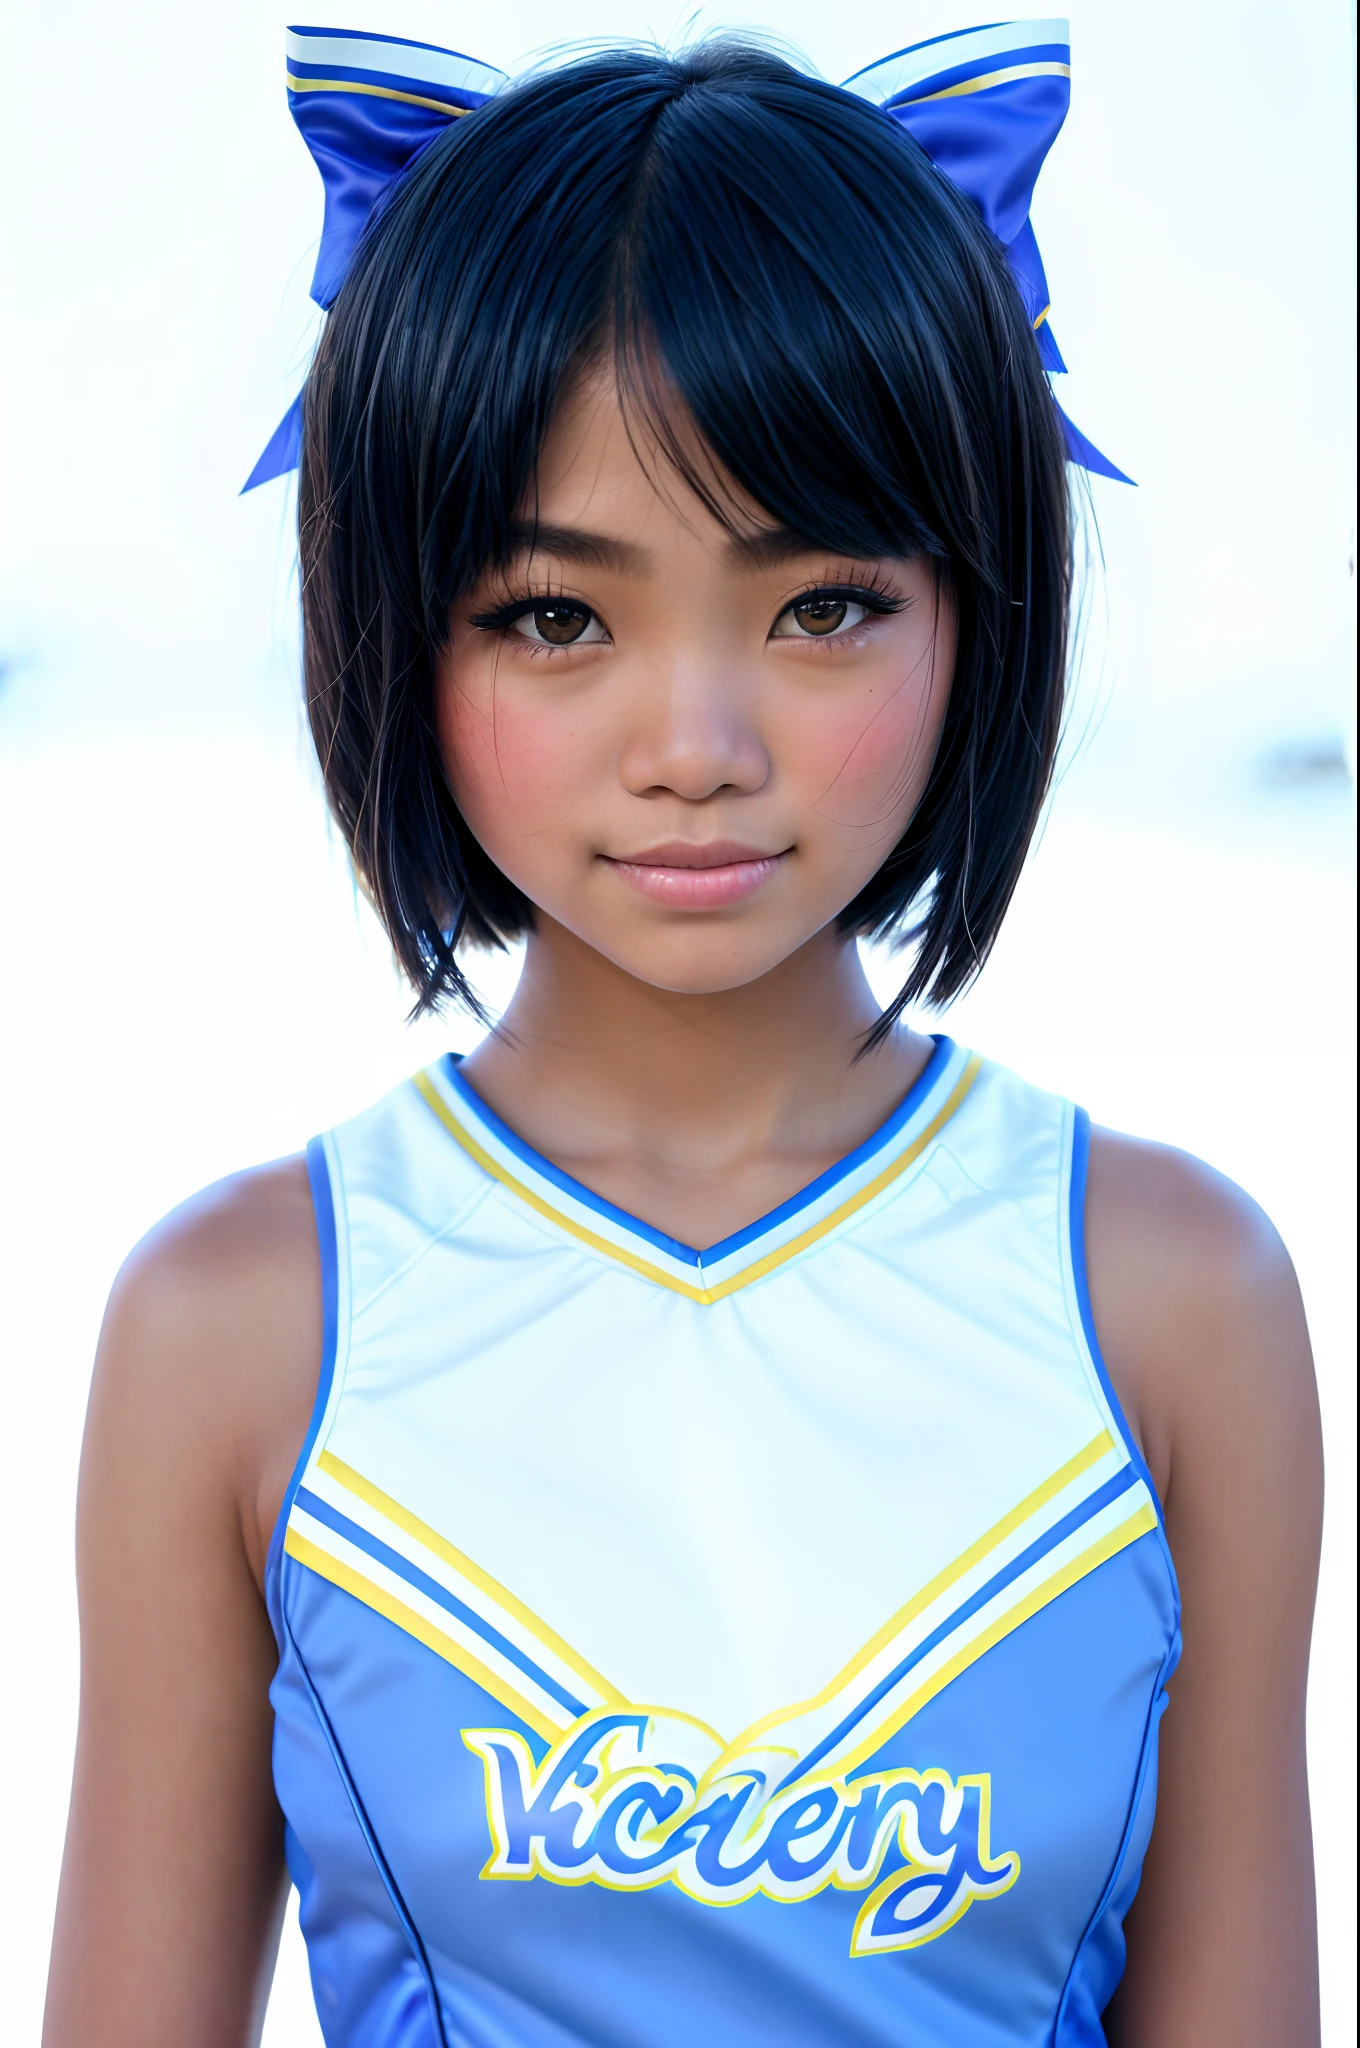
pixel 512 764
pixel 863 761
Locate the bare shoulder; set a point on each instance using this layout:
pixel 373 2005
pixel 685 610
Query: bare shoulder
pixel 1199 1318
pixel 1196 1303
pixel 202 1388
pixel 211 1345
pixel 1172 1238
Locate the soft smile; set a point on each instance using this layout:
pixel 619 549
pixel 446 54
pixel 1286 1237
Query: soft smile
pixel 688 875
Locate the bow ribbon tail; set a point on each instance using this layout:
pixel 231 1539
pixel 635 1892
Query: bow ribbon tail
pixel 1086 454
pixel 283 451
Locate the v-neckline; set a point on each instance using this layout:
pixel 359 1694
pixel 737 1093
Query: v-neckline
pixel 741 1256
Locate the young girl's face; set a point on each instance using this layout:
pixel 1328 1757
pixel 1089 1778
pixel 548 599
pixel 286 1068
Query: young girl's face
pixel 688 749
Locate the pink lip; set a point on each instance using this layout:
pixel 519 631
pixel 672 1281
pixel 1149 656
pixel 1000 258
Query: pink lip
pixel 693 877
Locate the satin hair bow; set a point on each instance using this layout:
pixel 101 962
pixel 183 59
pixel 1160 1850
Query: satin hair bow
pixel 985 105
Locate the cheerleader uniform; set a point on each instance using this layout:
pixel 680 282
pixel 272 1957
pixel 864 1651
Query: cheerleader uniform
pixel 756 1645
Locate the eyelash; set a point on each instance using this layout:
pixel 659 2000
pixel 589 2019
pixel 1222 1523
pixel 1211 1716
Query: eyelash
pixel 503 616
pixel 879 602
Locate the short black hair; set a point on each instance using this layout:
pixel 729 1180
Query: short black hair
pixel 844 332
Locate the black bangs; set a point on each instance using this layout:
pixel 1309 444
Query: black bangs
pixel 840 328
pixel 768 280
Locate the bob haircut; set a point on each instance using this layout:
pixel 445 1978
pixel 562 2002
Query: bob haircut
pixel 779 262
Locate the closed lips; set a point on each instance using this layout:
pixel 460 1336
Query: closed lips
pixel 697 877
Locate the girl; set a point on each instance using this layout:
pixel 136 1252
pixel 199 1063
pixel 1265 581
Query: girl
pixel 698 1497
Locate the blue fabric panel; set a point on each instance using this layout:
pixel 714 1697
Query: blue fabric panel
pixel 1099 1962
pixel 368 1987
pixel 1061 1715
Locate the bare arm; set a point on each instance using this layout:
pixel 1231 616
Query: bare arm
pixel 173 1884
pixel 1203 1331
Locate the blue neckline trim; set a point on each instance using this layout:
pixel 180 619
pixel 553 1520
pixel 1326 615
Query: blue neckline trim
pixel 815 1189
pixel 323 1208
pixel 725 1247
pixel 1076 1238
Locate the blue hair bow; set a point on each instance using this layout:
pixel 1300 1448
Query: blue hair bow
pixel 367 106
pixel 985 105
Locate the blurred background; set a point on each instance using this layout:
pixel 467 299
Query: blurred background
pixel 189 981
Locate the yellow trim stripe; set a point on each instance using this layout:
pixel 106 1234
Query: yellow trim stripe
pixel 364 1489
pixel 377 92
pixel 517 1187
pixel 1140 1523
pixel 384 1603
pixel 991 78
pixel 705 1296
pixel 1098 1447
pixel 1079 1567
pixel 858 1200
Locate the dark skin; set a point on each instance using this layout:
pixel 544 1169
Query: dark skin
pixel 696 1071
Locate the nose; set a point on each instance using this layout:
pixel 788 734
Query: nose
pixel 693 737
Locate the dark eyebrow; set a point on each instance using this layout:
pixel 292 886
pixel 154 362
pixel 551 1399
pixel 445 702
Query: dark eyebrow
pixel 574 544
pixel 770 547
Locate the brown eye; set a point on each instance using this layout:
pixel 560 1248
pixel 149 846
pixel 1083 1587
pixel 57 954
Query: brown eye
pixel 555 622
pixel 821 614
pixel 818 617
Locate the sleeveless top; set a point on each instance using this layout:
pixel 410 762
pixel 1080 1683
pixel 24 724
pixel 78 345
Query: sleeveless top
pixel 757 1645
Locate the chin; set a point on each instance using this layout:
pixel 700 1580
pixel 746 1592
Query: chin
pixel 704 964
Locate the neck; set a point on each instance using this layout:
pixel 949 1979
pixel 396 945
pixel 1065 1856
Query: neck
pixel 589 1063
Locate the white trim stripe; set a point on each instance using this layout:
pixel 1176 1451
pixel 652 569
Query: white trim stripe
pixel 828 1729
pixel 572 1676
pixel 1127 1518
pixel 862 1678
pixel 513 1687
pixel 883 81
pixel 394 60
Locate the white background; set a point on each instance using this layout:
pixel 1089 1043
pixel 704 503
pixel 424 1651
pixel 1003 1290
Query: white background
pixel 189 984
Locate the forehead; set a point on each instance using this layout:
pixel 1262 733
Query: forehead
pixel 614 458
